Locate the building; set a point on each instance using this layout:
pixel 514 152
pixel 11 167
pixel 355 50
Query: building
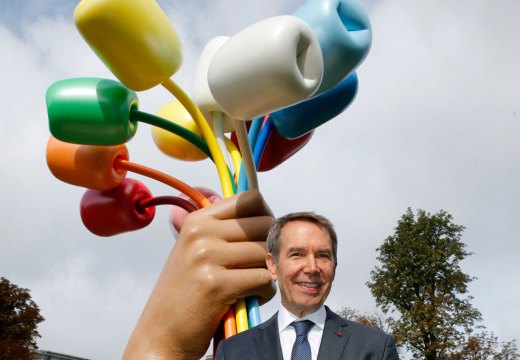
pixel 49 355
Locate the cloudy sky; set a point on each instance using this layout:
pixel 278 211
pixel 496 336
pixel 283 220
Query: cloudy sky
pixel 435 125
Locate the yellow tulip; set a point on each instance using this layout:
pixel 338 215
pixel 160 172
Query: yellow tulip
pixel 171 144
pixel 134 39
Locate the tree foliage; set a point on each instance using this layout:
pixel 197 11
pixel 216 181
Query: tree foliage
pixel 19 318
pixel 374 320
pixel 486 346
pixel 423 290
pixel 477 346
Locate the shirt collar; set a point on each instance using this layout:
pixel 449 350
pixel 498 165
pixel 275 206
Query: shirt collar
pixel 285 317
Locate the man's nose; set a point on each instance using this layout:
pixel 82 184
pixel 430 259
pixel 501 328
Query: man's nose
pixel 310 264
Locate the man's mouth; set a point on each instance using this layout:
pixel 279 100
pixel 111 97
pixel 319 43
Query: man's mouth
pixel 310 285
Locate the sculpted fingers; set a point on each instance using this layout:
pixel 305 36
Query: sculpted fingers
pixel 243 255
pixel 244 217
pixel 211 254
pixel 232 230
pixel 218 258
pixel 241 283
pixel 243 229
pixel 246 204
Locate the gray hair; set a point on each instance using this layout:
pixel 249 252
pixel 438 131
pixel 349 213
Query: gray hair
pixel 273 238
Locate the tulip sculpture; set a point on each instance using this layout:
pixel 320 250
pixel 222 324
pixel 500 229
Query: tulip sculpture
pixel 270 85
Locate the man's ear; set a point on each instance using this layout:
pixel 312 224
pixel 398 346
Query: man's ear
pixel 271 265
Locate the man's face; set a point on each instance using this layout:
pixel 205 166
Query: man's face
pixel 305 268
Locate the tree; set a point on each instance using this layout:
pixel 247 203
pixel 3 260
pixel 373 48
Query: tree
pixel 19 318
pixel 374 320
pixel 483 346
pixel 421 282
pixel 477 346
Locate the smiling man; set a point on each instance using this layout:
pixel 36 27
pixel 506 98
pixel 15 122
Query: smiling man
pixel 302 258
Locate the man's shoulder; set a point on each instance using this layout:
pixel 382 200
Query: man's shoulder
pixel 247 344
pixel 252 332
pixel 240 337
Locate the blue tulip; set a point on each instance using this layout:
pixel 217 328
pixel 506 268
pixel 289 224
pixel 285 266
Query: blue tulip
pixel 344 33
pixel 297 120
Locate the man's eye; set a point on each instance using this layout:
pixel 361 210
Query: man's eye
pixel 295 254
pixel 323 256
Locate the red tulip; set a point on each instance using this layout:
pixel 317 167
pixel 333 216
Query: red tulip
pixel 115 211
pixel 278 148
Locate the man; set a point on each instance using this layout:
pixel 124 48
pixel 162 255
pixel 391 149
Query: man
pixel 302 258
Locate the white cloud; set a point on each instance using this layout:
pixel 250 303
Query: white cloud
pixel 81 308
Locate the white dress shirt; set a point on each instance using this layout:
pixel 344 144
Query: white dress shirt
pixel 288 334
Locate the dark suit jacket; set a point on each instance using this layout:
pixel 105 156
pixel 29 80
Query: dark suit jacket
pixel 342 339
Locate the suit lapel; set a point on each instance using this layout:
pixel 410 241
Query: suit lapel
pixel 335 337
pixel 268 342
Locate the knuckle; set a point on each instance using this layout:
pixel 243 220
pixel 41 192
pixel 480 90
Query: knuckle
pixel 202 252
pixel 193 227
pixel 209 280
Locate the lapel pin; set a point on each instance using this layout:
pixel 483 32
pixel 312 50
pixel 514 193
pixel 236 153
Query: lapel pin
pixel 339 333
